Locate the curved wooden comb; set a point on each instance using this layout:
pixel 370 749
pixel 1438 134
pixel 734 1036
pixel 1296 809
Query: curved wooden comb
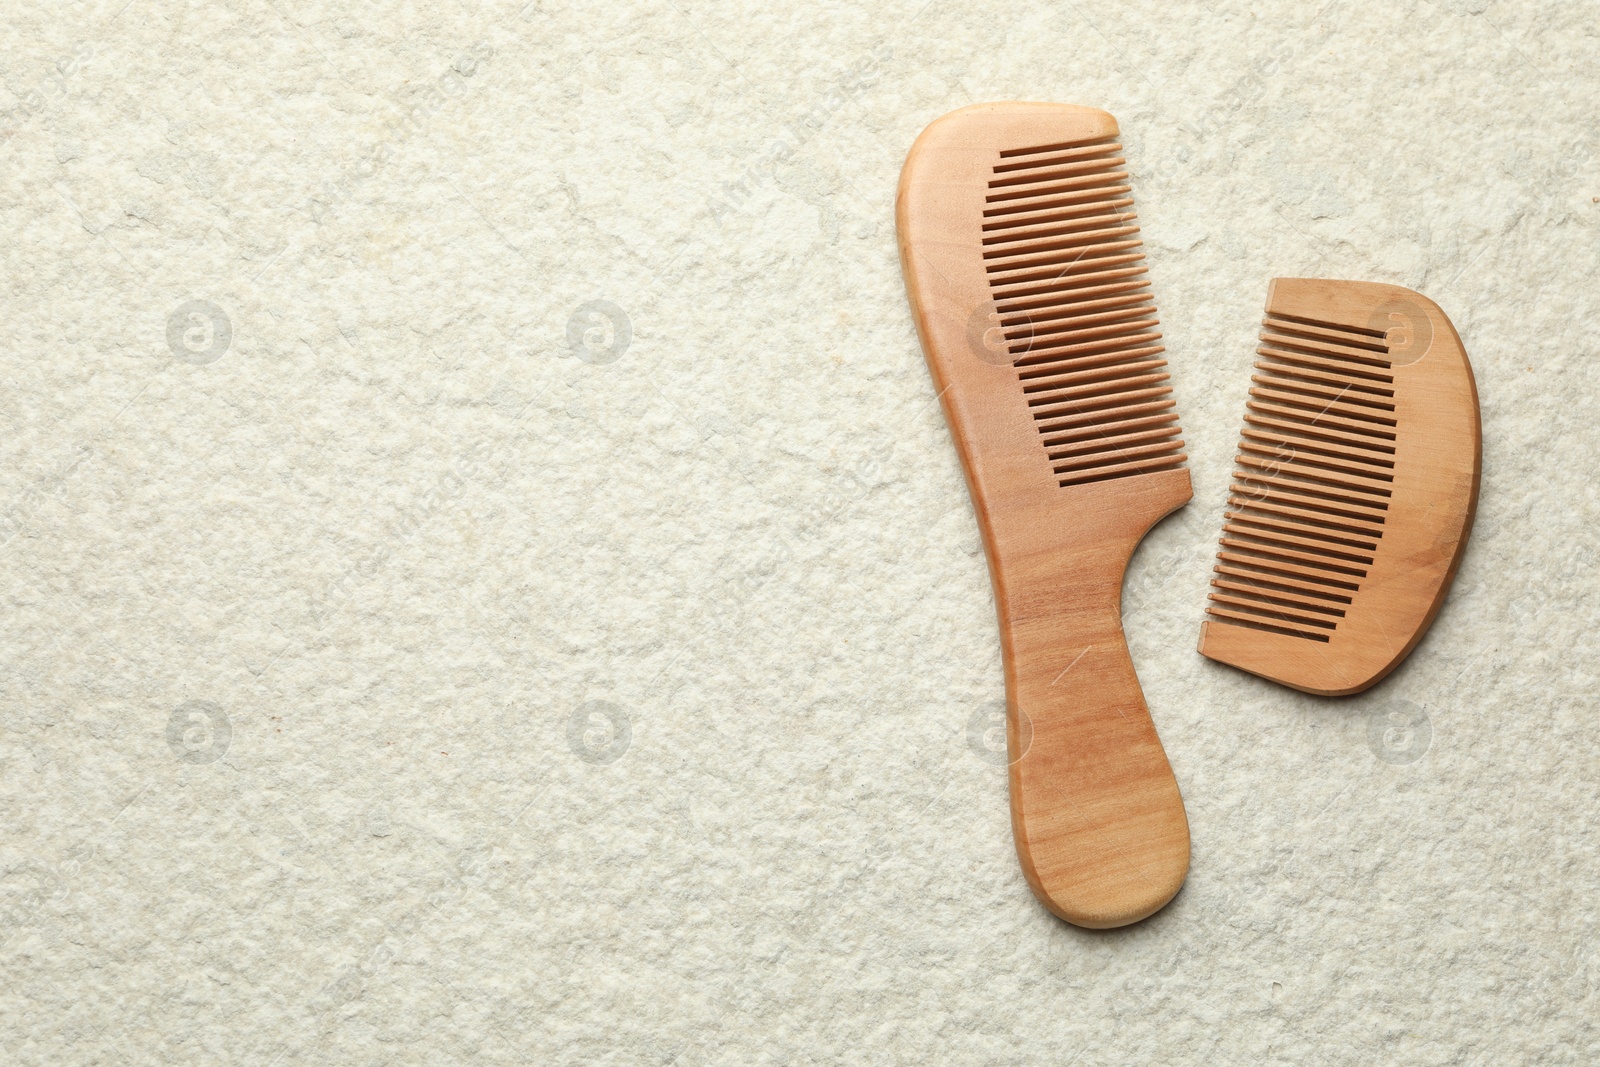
pixel 1022 263
pixel 1354 491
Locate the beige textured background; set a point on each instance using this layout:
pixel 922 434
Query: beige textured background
pixel 387 681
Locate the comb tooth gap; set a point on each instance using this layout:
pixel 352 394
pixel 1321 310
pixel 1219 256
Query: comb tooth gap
pixel 1101 157
pixel 1067 247
pixel 1027 213
pixel 1069 346
pixel 1100 394
pixel 1259 571
pixel 1069 379
pixel 1068 304
pixel 1289 608
pixel 1115 347
pixel 1092 218
pixel 1253 625
pixel 1098 460
pixel 1349 372
pixel 1117 442
pixel 1345 399
pixel 1328 605
pixel 1256 505
pixel 1296 437
pixel 1318 407
pixel 1069 171
pixel 1266 463
pixel 1110 356
pixel 1127 304
pixel 1258 467
pixel 1123 470
pixel 1113 428
pixel 1064 324
pixel 1062 423
pixel 1358 358
pixel 1268 616
pixel 1337 360
pixel 1062 146
pixel 1293 613
pixel 1281 444
pixel 1110 268
pixel 1334 327
pixel 1295 562
pixel 1320 556
pixel 1099 216
pixel 1353 430
pixel 1367 480
pixel 1096 168
pixel 1017 255
pixel 1064 188
pixel 1333 391
pixel 1101 257
pixel 1245 496
pixel 1280 613
pixel 1120 357
pixel 1062 384
pixel 1255 596
pixel 1303 591
pixel 1082 286
pixel 1298 539
pixel 1285 372
pixel 1301 546
pixel 1308 497
pixel 1096 144
pixel 1343 346
pixel 1090 260
pixel 1317 434
pixel 1039 204
pixel 1332 429
pixel 1127 445
pixel 1282 570
pixel 1241 519
pixel 1312 362
pixel 1095 156
pixel 1370 466
pixel 1020 219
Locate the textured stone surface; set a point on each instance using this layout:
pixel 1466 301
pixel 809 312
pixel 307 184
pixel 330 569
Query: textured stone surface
pixel 386 680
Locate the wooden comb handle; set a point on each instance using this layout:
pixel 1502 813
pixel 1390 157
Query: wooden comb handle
pixel 1095 809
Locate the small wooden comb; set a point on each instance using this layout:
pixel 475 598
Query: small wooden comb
pixel 1021 259
pixel 1354 490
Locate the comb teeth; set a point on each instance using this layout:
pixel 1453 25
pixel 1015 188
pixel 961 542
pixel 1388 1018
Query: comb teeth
pixel 1061 249
pixel 1313 479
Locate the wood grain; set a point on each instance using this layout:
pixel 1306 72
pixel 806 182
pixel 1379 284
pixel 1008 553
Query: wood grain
pixel 1354 491
pixel 1021 257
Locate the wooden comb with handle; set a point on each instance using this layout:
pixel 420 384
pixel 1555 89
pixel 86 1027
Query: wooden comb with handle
pixel 1354 487
pixel 1022 263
